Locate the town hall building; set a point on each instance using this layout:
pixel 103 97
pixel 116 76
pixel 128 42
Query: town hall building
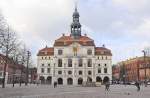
pixel 74 59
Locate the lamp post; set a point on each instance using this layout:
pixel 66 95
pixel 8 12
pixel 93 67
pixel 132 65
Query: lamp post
pixel 21 69
pixel 27 69
pixel 145 68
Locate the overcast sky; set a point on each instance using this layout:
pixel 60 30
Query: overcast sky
pixel 122 25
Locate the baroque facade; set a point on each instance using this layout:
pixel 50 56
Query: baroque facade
pixel 74 59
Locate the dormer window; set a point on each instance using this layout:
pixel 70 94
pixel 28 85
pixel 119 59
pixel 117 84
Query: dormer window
pixel 60 52
pixel 89 52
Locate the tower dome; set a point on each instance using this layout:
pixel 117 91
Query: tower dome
pixel 76 26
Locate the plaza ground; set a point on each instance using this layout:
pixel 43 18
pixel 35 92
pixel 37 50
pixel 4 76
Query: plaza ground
pixel 47 91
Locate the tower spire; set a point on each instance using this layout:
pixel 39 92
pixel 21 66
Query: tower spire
pixel 76 26
pixel 76 6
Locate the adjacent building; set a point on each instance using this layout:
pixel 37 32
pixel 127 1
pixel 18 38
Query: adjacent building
pixel 133 69
pixel 14 72
pixel 74 59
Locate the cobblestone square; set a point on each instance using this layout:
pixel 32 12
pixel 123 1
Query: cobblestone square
pixel 47 91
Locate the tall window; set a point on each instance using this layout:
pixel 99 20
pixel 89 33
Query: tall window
pixel 42 64
pixel 89 62
pixel 48 70
pixel 80 62
pixel 89 52
pixel 69 72
pixel 60 52
pixel 42 70
pixel 59 72
pixel 69 62
pixel 48 64
pixel 99 70
pixel 89 72
pixel 105 70
pixel 80 72
pixel 59 62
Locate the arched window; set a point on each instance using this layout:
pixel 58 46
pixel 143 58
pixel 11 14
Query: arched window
pixel 80 81
pixel 69 81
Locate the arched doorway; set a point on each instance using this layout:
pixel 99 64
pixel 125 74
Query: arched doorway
pixel 98 79
pixel 89 79
pixel 106 79
pixel 69 81
pixel 42 79
pixel 80 81
pixel 60 81
pixel 49 80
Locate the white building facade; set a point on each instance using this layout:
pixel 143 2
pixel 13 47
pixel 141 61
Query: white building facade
pixel 74 59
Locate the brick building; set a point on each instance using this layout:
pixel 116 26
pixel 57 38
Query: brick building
pixel 14 71
pixel 132 69
pixel 32 75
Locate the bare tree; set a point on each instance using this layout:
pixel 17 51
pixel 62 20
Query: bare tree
pixel 8 45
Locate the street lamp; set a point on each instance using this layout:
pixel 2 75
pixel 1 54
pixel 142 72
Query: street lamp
pixel 27 69
pixel 144 64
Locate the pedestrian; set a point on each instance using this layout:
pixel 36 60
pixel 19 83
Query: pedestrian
pixel 145 82
pixel 137 84
pixel 55 84
pixel 107 85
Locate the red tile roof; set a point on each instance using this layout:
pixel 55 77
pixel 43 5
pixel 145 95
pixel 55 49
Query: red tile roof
pixel 67 40
pixel 46 51
pixel 102 51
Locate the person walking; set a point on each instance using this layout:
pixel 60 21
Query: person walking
pixel 107 85
pixel 55 84
pixel 137 84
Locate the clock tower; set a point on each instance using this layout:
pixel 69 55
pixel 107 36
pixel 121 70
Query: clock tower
pixel 75 26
